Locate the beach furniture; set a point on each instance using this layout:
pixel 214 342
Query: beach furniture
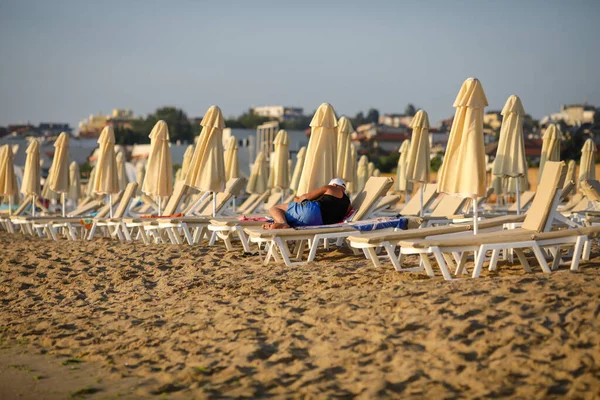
pixel 538 219
pixel 116 221
pixel 5 218
pixel 192 228
pixel 277 241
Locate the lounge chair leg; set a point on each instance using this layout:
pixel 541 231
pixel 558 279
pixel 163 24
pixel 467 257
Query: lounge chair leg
pixel 461 267
pixel 539 254
pixel 579 244
pixel 283 249
pixel 124 231
pixel 313 249
pixel 479 260
pixel 523 259
pixel 442 263
pixel 587 247
pixel 243 239
pixel 391 253
pixel 374 258
pixel 557 259
pixel 92 231
pixel 427 265
pixel 494 259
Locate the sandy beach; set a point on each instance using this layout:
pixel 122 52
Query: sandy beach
pixel 105 320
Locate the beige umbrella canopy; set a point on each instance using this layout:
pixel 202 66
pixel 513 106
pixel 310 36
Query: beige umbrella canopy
pixel 58 177
pixel 298 169
pixel 106 179
pixel 207 168
pixel 74 182
pixel 362 173
pixel 418 163
pixel 31 174
pixel 463 170
pixel 370 169
pixel 353 183
pixel 321 155
pixel 259 175
pixel 550 147
pixel 376 172
pixel 89 189
pixel 344 152
pixel 232 168
pixel 8 180
pixel 121 172
pixel 401 183
pixel 158 180
pixel 510 157
pixel 279 177
pixel 587 165
pixel 418 160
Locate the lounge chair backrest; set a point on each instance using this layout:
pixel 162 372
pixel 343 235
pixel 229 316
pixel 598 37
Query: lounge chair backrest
pixel 232 188
pixel 566 190
pixel 86 208
pixel 149 201
pixel 273 200
pixel 413 207
pixel 248 202
pixel 23 205
pixel 128 194
pixel 179 190
pixel 547 195
pixel 526 198
pixel 366 200
pixel 449 205
pixel 387 201
pixel 260 200
pixel 591 189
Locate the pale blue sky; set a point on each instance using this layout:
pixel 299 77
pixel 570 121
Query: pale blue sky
pixel 62 60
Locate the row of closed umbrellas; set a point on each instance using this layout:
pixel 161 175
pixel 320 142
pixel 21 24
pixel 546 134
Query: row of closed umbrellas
pixel 330 153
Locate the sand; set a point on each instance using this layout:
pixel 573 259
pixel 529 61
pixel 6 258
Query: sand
pixel 106 320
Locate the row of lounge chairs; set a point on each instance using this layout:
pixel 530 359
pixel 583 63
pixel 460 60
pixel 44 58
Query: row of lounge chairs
pixel 443 237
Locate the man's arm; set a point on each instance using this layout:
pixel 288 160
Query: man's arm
pixel 315 194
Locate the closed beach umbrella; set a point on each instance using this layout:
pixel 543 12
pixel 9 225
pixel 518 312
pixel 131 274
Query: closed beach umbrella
pixel 344 151
pixel 376 172
pixel 232 168
pixel 74 182
pixel 259 176
pixel 106 180
pixel 8 180
pixel 89 190
pixel 121 172
pixel 362 173
pixel 353 183
pixel 370 169
pixel 402 184
pixel 510 157
pixel 30 186
pixel 279 172
pixel 587 165
pixel 418 164
pixel 463 170
pixel 550 147
pixel 187 159
pixel 298 169
pixel 58 177
pixel 207 168
pixel 321 155
pixel 158 181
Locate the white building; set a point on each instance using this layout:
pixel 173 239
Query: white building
pixel 280 113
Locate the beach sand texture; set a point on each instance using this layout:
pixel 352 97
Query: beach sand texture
pixel 104 320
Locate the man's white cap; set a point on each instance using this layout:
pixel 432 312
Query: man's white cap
pixel 338 181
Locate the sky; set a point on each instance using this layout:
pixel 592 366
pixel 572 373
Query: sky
pixel 63 60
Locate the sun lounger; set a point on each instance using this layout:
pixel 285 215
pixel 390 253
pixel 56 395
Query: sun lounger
pixel 277 241
pixel 116 221
pixel 538 219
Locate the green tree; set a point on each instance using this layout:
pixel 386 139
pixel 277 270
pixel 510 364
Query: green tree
pixel 410 110
pixel 373 116
pixel 176 119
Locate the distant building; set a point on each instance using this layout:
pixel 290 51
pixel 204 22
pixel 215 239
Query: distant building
pixel 573 115
pixel 93 125
pixel 493 119
pixel 395 120
pixel 280 113
pixel 53 128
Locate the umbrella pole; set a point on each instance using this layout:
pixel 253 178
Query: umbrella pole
pixel 214 205
pixel 159 207
pixel 62 199
pixel 110 204
pixel 33 206
pixel 518 196
pixel 475 215
pixel 421 198
pixel 9 206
